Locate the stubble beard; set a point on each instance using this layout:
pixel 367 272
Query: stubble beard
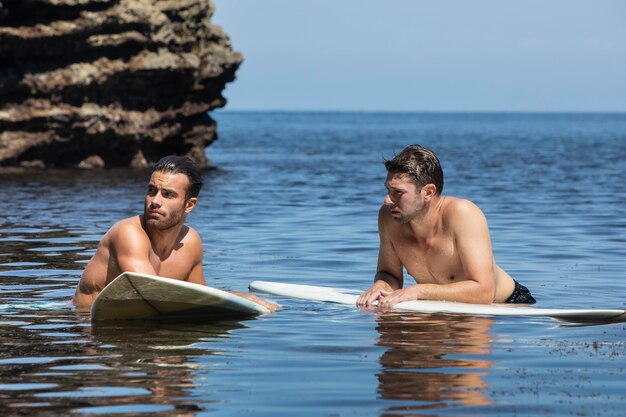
pixel 167 222
pixel 416 212
pixel 406 218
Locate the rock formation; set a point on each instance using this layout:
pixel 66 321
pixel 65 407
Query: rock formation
pixel 88 83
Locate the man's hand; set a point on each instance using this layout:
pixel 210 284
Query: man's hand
pixel 272 307
pixel 369 296
pixel 388 299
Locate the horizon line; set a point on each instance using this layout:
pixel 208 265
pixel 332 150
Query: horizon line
pixel 421 111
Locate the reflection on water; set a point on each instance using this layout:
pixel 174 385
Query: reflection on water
pixel 434 359
pixel 53 361
pixel 143 366
pixel 295 200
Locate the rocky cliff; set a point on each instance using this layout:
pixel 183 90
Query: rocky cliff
pixel 109 82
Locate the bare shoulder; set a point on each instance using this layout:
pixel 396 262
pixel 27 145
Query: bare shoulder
pixel 127 229
pixel 385 220
pixel 190 233
pixel 128 224
pixel 384 215
pixel 455 205
pixel 191 239
pixel 459 211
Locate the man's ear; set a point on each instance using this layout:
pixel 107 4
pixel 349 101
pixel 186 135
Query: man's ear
pixel 190 204
pixel 429 191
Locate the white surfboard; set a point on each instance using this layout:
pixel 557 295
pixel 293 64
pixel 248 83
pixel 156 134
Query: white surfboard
pixel 350 296
pixel 137 296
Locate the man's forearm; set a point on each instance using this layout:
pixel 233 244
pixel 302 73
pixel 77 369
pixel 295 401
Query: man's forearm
pixel 464 291
pixel 392 282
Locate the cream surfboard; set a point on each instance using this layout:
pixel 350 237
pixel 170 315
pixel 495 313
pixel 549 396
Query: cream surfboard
pixel 349 297
pixel 137 296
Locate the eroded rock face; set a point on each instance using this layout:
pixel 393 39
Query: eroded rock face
pixel 95 83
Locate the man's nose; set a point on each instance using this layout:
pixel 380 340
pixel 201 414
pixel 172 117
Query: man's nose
pixel 155 200
pixel 388 201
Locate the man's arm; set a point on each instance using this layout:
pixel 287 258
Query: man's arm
pixel 473 245
pixel 131 249
pixel 389 275
pixel 196 276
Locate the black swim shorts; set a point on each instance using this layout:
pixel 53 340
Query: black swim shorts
pixel 521 295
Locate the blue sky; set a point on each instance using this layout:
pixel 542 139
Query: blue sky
pixel 429 55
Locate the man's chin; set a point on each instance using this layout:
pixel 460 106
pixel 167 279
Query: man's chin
pixel 157 224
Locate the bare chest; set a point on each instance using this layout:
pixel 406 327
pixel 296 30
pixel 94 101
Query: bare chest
pixel 434 260
pixel 177 264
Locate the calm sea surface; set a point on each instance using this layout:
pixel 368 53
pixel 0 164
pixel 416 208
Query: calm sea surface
pixel 295 200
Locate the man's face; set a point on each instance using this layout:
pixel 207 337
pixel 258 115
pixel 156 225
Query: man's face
pixel 165 205
pixel 403 199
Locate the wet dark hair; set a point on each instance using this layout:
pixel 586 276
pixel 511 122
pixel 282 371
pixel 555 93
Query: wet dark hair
pixel 420 164
pixel 182 165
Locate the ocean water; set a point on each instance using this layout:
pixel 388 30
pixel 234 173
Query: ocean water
pixel 294 198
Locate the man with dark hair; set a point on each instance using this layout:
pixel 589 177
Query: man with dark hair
pixel 156 242
pixel 443 242
pixel 182 165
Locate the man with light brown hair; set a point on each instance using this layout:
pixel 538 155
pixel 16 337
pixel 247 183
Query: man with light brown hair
pixel 443 242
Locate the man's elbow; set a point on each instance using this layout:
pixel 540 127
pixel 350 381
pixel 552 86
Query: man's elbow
pixel 392 280
pixel 487 296
pixel 482 293
pixel 485 300
pixel 83 301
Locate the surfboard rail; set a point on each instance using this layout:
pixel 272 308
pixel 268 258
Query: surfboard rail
pixel 347 296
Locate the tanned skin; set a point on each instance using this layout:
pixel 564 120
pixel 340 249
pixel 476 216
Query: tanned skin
pixel 443 243
pixel 156 243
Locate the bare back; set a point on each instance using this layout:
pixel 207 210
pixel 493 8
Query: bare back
pixel 127 247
